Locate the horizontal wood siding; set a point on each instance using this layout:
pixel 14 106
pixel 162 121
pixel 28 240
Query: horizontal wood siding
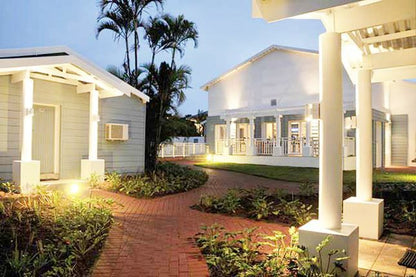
pixel 10 112
pixel 120 156
pixel 74 123
pixel 127 156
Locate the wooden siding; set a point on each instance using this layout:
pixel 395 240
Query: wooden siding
pixel 399 139
pixel 123 157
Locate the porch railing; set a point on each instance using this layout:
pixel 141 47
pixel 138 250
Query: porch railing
pixel 264 147
pixel 182 149
pixel 289 146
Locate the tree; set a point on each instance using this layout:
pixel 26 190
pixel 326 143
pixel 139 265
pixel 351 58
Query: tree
pixel 134 10
pixel 155 29
pixel 178 32
pixel 167 85
pixel 119 22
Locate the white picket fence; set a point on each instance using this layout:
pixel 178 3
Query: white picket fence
pixel 182 149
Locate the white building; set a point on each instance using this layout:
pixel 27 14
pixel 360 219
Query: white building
pixel 264 111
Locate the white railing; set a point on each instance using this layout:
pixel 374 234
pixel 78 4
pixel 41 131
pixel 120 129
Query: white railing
pixel 289 146
pixel 264 147
pixel 182 149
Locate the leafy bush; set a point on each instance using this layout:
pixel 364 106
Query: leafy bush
pixel 8 187
pixel 240 254
pixel 50 235
pixel 306 189
pixel 259 204
pixel 168 178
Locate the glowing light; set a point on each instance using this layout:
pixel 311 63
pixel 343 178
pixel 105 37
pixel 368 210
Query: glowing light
pixel 73 189
pixel 210 158
pixel 308 118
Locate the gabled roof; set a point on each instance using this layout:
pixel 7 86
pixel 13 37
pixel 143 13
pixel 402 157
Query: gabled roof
pixel 254 58
pixel 61 64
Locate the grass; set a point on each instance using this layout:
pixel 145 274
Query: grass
pixel 304 174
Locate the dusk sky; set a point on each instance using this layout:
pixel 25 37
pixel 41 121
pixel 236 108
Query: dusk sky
pixel 228 35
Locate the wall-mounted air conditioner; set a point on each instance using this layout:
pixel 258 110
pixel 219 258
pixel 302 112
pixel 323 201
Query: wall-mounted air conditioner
pixel 115 131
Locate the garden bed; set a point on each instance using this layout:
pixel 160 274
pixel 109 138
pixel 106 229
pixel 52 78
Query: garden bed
pixel 260 204
pixel 297 209
pixel 247 253
pixel 168 178
pixel 47 234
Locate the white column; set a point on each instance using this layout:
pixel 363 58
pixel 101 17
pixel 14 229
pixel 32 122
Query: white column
pixel 93 133
pixel 26 154
pixel 344 236
pixel 277 148
pixel 93 165
pixel 331 133
pixel 251 149
pixel 26 172
pixel 364 136
pixel 307 149
pixel 364 210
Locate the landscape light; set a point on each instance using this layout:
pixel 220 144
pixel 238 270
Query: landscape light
pixel 210 158
pixel 73 189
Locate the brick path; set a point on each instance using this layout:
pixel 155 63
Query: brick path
pixel 154 237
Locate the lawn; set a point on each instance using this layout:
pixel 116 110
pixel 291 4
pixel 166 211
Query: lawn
pixel 304 174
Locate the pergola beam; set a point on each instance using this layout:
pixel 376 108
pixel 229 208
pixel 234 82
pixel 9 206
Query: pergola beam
pixel 398 58
pixel 388 37
pixel 374 14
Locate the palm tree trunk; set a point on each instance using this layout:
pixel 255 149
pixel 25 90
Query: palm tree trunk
pixel 173 57
pixel 136 49
pixel 128 56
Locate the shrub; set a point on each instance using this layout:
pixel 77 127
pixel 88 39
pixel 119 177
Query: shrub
pixel 50 235
pixel 259 204
pixel 239 254
pixel 168 178
pixel 307 189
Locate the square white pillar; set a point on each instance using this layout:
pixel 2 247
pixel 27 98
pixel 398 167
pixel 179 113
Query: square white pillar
pixel 26 174
pixel 89 167
pixel 251 150
pixel 368 215
pixel 307 151
pixel 345 238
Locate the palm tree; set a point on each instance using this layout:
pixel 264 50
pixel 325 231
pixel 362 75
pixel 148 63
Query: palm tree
pixel 167 85
pixel 136 10
pixel 117 21
pixel 179 31
pixel 155 29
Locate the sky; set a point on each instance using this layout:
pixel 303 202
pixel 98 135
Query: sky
pixel 228 35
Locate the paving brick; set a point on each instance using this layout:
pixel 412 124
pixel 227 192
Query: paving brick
pixel 155 237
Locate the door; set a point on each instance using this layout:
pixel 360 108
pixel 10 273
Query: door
pixel 399 140
pixel 43 140
pixel 295 137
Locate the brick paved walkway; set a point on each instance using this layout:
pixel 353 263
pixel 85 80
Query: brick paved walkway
pixel 154 237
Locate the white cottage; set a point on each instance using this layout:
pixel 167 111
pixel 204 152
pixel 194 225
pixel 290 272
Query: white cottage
pixel 264 111
pixel 63 117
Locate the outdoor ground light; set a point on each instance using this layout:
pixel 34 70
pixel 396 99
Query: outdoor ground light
pixel 73 189
pixel 210 158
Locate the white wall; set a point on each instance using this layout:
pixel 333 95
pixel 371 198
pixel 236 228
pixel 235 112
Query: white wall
pixel 403 101
pixel 291 76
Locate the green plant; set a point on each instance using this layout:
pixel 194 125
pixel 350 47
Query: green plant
pixel 296 212
pixel 94 181
pixel 230 203
pixel 47 234
pixel 260 207
pixel 114 181
pixel 8 187
pixel 307 188
pixel 240 254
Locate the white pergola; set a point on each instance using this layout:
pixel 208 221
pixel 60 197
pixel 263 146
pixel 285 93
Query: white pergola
pixel 61 65
pixel 375 40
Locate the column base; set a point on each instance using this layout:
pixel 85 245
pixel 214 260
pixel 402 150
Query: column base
pixel 89 167
pixel 227 150
pixel 251 151
pixel 307 151
pixel 368 215
pixel 311 234
pixel 26 174
pixel 277 151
